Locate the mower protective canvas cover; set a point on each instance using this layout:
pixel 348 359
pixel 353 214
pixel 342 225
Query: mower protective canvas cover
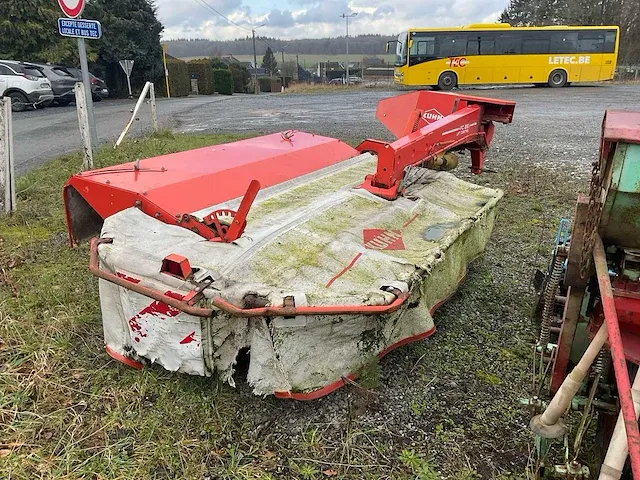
pixel 343 276
pixel 344 247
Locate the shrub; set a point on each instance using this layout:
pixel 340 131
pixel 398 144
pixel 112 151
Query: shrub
pixel 241 77
pixel 223 81
pixel 179 79
pixel 204 73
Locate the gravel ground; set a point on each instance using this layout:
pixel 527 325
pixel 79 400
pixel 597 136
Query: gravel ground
pixel 551 126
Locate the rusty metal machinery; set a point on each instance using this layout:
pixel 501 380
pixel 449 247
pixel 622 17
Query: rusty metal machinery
pixel 590 309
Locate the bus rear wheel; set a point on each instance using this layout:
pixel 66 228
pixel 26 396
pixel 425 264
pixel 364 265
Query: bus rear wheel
pixel 557 79
pixel 447 81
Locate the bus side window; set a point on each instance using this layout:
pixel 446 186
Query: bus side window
pixel 564 42
pixel 535 45
pixel 590 42
pixel 509 44
pixel 610 41
pixel 423 49
pixel 427 47
pixel 453 45
pixel 473 46
pixel 487 45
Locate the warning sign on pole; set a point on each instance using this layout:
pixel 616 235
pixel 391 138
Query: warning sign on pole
pixel 72 8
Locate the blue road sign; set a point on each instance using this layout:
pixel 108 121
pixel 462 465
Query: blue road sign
pixel 79 28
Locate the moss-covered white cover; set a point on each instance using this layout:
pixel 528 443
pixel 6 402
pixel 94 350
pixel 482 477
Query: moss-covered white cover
pixel 319 239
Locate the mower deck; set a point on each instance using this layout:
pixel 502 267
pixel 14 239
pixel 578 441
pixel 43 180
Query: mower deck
pixel 344 247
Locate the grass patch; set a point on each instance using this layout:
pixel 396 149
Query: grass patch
pixel 443 407
pixel 338 89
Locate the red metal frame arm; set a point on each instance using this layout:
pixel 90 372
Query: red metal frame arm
pixel 283 311
pixel 463 128
pixel 618 356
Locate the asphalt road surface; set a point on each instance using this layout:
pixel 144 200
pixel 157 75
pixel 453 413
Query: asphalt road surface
pixel 550 125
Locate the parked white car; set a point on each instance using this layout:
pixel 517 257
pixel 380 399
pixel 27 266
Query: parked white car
pixel 27 87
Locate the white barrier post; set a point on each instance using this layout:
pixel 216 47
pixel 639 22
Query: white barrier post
pixel 154 113
pixel 7 174
pixel 145 90
pixel 85 132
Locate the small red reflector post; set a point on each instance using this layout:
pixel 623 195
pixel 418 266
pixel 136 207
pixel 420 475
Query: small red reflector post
pixel 176 265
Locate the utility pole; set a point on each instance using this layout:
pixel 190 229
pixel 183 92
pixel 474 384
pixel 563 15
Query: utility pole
pixel 282 67
pixel 347 17
pixel 297 68
pixel 256 88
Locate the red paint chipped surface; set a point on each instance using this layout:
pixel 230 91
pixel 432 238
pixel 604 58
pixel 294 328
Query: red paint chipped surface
pixel 155 308
pixel 188 339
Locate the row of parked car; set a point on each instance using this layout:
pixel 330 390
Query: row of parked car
pixel 38 85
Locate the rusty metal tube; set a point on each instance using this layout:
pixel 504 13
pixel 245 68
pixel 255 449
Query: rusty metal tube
pixel 284 311
pixel 618 449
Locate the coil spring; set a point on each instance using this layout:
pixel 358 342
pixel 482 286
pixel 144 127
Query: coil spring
pixel 602 363
pixel 549 301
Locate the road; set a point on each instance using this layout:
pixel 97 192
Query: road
pixel 550 125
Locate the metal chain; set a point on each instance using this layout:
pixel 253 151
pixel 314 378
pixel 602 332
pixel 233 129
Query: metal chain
pixel 593 219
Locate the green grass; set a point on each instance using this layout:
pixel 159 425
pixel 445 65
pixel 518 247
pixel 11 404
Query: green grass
pixel 69 412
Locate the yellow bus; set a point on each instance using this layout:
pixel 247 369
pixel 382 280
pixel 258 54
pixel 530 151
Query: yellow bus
pixel 499 53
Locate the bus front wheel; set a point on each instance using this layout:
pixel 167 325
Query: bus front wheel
pixel 557 79
pixel 447 81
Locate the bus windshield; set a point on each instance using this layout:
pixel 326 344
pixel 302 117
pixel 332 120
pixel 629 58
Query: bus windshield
pixel 401 50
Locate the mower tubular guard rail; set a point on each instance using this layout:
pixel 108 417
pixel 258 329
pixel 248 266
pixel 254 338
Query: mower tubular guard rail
pixel 221 304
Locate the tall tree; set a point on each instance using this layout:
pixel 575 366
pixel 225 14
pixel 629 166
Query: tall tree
pixel 28 31
pixel 269 62
pixel 130 31
pixel 288 69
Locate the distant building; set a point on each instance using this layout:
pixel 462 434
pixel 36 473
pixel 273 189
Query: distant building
pixel 260 72
pixel 373 62
pixel 330 70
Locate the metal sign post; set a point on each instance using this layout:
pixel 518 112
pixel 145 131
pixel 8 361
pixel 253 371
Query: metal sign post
pixel 81 29
pixel 88 97
pixel 127 66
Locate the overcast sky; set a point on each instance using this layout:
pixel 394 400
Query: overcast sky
pixel 313 19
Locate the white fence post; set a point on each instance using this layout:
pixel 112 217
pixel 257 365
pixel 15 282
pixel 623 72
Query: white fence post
pixel 143 95
pixel 7 169
pixel 83 120
pixel 154 113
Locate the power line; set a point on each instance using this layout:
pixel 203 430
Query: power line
pixel 205 4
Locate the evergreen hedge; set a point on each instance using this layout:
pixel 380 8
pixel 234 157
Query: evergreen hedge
pixel 179 80
pixel 223 81
pixel 202 69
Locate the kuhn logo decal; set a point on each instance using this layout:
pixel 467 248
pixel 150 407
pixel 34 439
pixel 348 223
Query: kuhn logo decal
pixel 432 115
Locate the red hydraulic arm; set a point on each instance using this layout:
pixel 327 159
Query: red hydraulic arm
pixel 429 124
